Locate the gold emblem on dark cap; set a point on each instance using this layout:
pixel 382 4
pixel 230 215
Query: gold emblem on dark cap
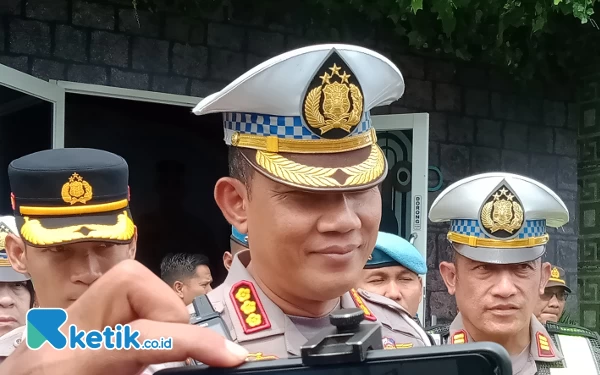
pixel 76 190
pixel 502 214
pixel 555 274
pixel 334 101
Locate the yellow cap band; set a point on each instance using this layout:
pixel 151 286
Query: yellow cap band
pixel 73 210
pixel 303 146
pixel 499 244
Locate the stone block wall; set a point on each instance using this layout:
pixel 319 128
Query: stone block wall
pixel 479 120
pixel 588 178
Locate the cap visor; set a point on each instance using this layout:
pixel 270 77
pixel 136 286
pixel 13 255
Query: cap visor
pixel 9 275
pixel 500 256
pixel 554 283
pixel 343 171
pixel 115 226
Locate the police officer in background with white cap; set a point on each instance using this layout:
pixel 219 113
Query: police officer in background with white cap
pixel 16 295
pixel 498 234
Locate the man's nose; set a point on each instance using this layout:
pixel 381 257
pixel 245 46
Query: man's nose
pixel 554 302
pixel 6 298
pixel 87 269
pixel 393 292
pixel 504 285
pixel 340 216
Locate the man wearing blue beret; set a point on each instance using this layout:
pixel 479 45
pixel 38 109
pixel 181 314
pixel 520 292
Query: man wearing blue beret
pixel 393 271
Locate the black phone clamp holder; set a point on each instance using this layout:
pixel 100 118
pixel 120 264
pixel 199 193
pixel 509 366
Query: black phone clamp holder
pixel 348 341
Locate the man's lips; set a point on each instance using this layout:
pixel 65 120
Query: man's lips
pixel 504 307
pixel 7 319
pixel 337 249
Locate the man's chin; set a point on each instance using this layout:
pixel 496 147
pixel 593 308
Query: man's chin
pixel 502 326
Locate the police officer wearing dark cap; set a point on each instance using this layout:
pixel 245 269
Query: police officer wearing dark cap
pixel 72 210
pixel 552 303
pixel 72 213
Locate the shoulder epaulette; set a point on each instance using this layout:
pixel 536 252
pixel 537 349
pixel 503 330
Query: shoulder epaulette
pixel 570 330
pixel 459 337
pixel 544 347
pixel 248 307
pixel 358 301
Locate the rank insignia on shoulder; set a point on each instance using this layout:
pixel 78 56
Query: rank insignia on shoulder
pixel 252 357
pixel 544 348
pixel 248 307
pixel 358 301
pixel 459 337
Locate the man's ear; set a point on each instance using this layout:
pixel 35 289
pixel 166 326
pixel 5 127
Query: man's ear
pixel 545 276
pixel 227 260
pixel 131 251
pixel 232 198
pixel 15 250
pixel 448 272
pixel 178 288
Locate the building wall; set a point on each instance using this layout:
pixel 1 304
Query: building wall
pixel 479 120
pixel 588 176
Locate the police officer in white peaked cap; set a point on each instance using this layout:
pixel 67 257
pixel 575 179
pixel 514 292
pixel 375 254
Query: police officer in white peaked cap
pixel 304 166
pixel 16 294
pixel 498 234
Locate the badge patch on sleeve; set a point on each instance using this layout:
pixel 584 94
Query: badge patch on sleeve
pixel 544 347
pixel 252 357
pixel 248 307
pixel 389 343
pixel 459 337
pixel 358 301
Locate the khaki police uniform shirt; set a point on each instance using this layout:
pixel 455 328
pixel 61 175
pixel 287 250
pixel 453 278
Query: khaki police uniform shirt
pixel 258 324
pixel 541 348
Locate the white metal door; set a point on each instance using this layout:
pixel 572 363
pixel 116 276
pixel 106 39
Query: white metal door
pixel 36 88
pixel 405 141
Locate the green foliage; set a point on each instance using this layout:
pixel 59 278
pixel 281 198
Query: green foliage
pixel 566 319
pixel 527 37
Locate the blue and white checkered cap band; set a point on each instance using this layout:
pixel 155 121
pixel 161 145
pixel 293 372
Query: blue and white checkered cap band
pixel 467 227
pixel 289 127
pixel 3 254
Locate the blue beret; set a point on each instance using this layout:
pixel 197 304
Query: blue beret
pixel 392 250
pixel 238 237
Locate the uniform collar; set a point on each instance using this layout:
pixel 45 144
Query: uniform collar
pixel 11 340
pixel 273 320
pixel 542 348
